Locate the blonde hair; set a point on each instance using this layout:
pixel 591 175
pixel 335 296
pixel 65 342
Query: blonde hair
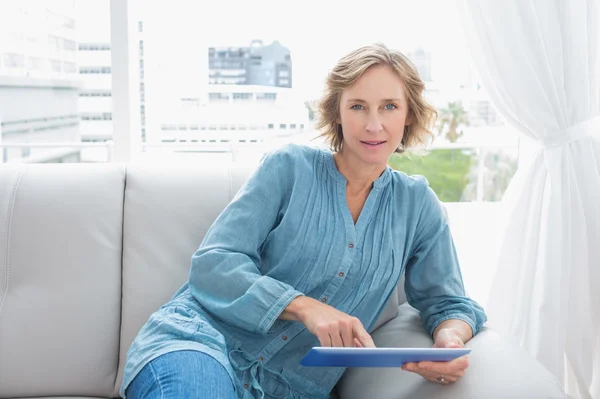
pixel 347 71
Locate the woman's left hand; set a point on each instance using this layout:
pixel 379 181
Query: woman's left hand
pixel 442 372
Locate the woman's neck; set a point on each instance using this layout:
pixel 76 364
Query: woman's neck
pixel 359 177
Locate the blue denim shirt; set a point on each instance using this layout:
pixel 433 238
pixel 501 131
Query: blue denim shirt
pixel 289 232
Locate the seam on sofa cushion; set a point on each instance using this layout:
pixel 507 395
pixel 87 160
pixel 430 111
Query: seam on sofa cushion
pixel 125 170
pixel 11 206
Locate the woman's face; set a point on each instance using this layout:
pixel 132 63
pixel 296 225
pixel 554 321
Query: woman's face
pixel 373 114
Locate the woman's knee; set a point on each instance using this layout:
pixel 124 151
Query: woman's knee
pixel 188 374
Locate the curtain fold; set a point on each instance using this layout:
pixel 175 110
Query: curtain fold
pixel 539 60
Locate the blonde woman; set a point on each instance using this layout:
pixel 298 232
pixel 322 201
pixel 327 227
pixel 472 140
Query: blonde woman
pixel 308 253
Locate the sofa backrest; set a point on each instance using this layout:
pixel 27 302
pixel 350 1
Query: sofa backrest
pixel 60 279
pixel 87 253
pixel 168 210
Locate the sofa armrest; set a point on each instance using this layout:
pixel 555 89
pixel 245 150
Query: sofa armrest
pixel 497 369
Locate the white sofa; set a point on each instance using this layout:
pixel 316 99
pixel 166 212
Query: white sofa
pixel 89 251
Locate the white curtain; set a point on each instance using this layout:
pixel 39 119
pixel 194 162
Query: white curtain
pixel 539 60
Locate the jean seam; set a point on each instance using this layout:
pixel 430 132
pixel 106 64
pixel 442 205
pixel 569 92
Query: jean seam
pixel 157 380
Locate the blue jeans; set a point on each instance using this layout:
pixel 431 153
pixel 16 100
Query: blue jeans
pixel 182 374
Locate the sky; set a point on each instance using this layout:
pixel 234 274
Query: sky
pixel 317 33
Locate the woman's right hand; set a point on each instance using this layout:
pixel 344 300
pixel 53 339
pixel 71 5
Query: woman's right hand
pixel 331 326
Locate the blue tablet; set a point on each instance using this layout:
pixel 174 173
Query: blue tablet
pixel 378 357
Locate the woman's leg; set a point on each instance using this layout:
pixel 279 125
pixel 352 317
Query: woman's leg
pixel 182 374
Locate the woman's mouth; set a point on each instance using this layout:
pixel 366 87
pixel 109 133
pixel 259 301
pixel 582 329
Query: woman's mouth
pixel 373 144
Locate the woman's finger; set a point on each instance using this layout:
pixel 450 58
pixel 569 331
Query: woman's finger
pixel 336 339
pixel 452 367
pixel 363 336
pixel 324 338
pixel 347 337
pixel 432 375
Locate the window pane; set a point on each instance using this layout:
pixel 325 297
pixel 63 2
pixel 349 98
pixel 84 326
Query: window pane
pixel 256 79
pixel 51 91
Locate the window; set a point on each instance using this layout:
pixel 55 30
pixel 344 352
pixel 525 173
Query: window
pixel 273 67
pixel 94 47
pixel 242 96
pixel 94 70
pixel 218 96
pixel 266 96
pixel 14 60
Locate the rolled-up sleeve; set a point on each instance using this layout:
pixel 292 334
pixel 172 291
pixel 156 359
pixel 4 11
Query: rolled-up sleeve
pixel 225 273
pixel 434 283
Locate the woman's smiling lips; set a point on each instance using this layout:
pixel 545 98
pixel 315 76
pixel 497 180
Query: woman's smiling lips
pixel 373 143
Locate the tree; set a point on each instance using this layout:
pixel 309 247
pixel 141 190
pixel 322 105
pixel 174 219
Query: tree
pixel 446 170
pixel 451 119
pixel 310 106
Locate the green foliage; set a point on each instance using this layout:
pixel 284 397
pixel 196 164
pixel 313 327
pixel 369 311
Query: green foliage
pixel 451 119
pixel 447 171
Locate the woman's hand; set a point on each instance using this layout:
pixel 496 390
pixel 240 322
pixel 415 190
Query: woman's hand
pixel 332 327
pixel 442 372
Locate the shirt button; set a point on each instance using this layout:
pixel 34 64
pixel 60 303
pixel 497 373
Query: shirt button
pixel 246 386
pixel 351 245
pixel 284 338
pixel 323 299
pixel 260 358
pixel 341 274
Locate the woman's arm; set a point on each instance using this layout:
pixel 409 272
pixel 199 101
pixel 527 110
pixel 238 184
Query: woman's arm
pixel 434 282
pixel 434 286
pixel 225 273
pixel 455 328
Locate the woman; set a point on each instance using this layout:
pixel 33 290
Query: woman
pixel 308 253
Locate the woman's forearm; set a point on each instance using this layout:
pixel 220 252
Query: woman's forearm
pixel 461 328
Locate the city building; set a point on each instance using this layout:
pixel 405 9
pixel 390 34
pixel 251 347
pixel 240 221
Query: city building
pixel 235 114
pixel 257 64
pixel 422 61
pixel 38 80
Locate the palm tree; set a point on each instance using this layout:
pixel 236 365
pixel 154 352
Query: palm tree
pixel 452 117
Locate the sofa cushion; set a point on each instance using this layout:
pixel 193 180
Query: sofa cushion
pixel 497 370
pixel 60 279
pixel 168 209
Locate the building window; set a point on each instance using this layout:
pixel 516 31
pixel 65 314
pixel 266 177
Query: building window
pixel 95 93
pixel 105 116
pixel 14 60
pixel 94 47
pixel 218 96
pixel 69 45
pixel 70 67
pixel 242 96
pixel 266 96
pixel 56 65
pixel 94 70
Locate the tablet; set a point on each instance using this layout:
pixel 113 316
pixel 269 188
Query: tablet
pixel 377 357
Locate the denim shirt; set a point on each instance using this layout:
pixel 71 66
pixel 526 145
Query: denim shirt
pixel 289 232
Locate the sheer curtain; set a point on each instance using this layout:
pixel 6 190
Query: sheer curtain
pixel 539 60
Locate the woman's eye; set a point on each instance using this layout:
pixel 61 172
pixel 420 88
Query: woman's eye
pixel 390 106
pixel 357 106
